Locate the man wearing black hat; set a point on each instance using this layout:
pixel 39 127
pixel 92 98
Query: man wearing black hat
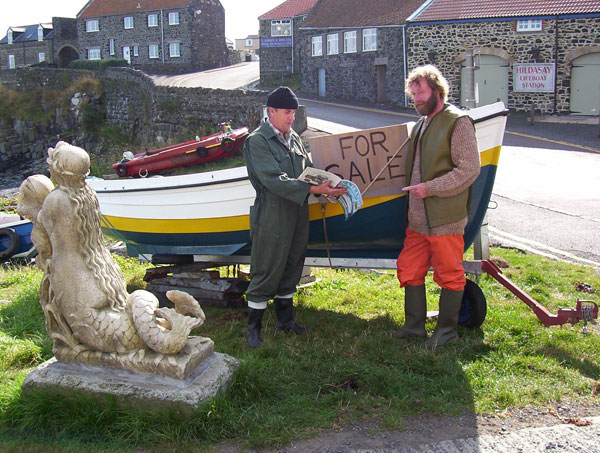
pixel 275 157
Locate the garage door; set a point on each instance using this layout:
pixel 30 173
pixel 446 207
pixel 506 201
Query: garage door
pixel 585 85
pixel 491 81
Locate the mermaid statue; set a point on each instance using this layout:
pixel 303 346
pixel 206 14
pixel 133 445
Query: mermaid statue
pixel 89 314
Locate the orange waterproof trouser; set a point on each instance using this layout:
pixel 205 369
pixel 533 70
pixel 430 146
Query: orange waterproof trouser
pixel 443 253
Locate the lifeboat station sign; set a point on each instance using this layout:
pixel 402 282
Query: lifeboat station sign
pixel 534 77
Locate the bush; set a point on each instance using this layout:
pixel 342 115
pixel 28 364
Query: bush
pixel 98 65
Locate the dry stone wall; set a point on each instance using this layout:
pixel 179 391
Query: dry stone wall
pixel 149 115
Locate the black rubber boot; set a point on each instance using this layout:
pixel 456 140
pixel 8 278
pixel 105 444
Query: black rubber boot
pixel 254 325
pixel 284 309
pixel 447 319
pixel 415 312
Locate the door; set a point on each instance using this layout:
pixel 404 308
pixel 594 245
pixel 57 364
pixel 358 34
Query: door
pixel 585 85
pixel 381 83
pixel 491 81
pixel 127 54
pixel 322 91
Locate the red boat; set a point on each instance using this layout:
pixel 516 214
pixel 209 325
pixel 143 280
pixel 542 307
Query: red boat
pixel 199 151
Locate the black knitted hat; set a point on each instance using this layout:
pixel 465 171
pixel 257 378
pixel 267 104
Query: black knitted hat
pixel 282 98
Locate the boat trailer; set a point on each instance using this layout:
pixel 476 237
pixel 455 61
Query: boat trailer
pixel 474 305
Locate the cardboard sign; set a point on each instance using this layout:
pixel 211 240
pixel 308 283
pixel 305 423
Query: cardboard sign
pixel 359 156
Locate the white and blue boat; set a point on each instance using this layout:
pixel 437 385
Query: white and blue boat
pixel 15 239
pixel 207 214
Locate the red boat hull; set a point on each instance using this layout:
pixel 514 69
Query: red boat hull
pixel 207 149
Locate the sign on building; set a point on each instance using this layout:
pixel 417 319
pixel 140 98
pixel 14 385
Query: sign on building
pixel 534 77
pixel 284 41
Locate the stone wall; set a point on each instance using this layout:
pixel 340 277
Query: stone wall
pixel 354 75
pixel 150 115
pixel 157 114
pixel 501 39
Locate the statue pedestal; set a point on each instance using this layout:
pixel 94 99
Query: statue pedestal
pixel 134 389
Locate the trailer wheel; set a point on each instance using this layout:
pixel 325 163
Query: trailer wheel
pixel 121 170
pixel 202 152
pixel 473 307
pixel 13 243
pixel 228 144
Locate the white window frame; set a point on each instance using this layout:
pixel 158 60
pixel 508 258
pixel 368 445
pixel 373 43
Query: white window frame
pixel 111 45
pixel 92 25
pixel 369 41
pixel 152 20
pixel 40 32
pixel 174 49
pixel 529 25
pixel 333 44
pixel 174 18
pixel 317 46
pixel 153 51
pixel 350 41
pixel 136 51
pixel 11 62
pixel 249 42
pixel 281 27
pixel 9 36
pixel 94 53
pixel 41 57
pixel 128 22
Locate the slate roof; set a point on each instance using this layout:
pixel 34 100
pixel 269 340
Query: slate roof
pixel 28 33
pixel 438 10
pixel 289 8
pixel 99 8
pixel 358 13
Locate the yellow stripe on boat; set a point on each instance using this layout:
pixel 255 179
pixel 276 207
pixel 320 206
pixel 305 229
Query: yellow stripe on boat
pixel 490 156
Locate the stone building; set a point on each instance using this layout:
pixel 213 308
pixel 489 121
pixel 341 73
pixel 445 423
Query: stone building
pixel 52 43
pixel 352 49
pixel 544 54
pixel 280 55
pixel 160 36
pixel 248 47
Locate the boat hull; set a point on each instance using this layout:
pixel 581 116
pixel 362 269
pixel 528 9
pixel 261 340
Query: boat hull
pixel 208 213
pixel 23 247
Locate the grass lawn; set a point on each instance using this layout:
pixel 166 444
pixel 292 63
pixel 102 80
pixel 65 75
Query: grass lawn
pixel 347 368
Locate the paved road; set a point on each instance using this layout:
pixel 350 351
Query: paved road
pixel 546 191
pixel 228 78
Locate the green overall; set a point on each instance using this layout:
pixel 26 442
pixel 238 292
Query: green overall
pixel 279 217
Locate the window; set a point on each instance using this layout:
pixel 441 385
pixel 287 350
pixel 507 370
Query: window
pixel 112 46
pixel 9 36
pixel 248 43
pixel 281 27
pixel 11 62
pixel 152 20
pixel 349 41
pixel 153 51
pixel 40 33
pixel 41 57
pixel 317 46
pixel 529 25
pixel 128 22
pixel 94 53
pixel 174 50
pixel 369 39
pixel 332 44
pixel 174 18
pixel 92 25
pixel 136 51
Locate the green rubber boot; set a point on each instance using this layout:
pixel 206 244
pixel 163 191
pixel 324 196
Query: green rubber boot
pixel 447 319
pixel 415 311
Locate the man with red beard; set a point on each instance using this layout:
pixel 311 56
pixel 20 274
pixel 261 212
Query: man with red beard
pixel 441 165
